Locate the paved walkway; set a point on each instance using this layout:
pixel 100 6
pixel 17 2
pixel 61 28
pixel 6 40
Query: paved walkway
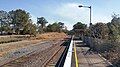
pixel 89 59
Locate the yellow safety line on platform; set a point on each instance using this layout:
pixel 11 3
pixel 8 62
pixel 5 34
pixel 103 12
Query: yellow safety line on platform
pixel 76 59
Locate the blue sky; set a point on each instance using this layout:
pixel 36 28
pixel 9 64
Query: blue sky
pixel 66 11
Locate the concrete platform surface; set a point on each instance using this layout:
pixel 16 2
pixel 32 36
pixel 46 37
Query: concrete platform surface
pixel 89 59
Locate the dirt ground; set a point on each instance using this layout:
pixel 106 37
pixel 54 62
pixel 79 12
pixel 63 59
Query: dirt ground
pixel 6 47
pixel 53 35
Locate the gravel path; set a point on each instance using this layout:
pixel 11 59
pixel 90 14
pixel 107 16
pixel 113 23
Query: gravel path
pixel 23 51
pixel 36 55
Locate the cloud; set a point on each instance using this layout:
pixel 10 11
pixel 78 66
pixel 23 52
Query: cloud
pixel 34 19
pixel 102 19
pixel 70 13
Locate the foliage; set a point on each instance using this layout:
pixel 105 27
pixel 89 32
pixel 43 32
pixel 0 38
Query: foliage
pixel 100 30
pixel 109 44
pixel 114 28
pixel 30 28
pixel 41 21
pixel 87 32
pixel 79 25
pixel 19 19
pixel 79 28
pixel 4 21
pixel 55 27
pixel 17 22
pixel 61 25
pixel 71 32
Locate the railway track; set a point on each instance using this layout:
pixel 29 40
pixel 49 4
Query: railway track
pixel 26 51
pixel 58 58
pixel 38 58
pixel 54 58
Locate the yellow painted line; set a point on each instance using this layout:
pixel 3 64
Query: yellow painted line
pixel 76 59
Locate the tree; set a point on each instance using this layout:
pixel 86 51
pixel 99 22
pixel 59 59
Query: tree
pixel 61 25
pixel 114 28
pixel 32 27
pixel 49 28
pixel 42 21
pixel 71 32
pixel 55 27
pixel 19 19
pixel 79 25
pixel 4 20
pixel 79 28
pixel 29 28
pixel 100 30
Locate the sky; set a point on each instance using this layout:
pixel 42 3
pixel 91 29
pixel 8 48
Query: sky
pixel 66 11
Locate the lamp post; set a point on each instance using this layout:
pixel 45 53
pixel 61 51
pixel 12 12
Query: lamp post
pixel 90 10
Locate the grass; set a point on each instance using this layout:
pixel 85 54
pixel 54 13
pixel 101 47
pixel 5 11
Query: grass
pixel 9 43
pixel 8 39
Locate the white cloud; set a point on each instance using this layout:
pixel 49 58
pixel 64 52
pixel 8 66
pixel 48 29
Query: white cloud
pixel 70 13
pixel 101 18
pixel 34 18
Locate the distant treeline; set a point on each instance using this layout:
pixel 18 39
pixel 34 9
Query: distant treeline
pixel 101 30
pixel 19 22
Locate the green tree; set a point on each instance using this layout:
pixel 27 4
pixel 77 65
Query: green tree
pixel 19 19
pixel 61 25
pixel 4 21
pixel 79 28
pixel 114 28
pixel 29 28
pixel 42 21
pixel 55 27
pixel 79 25
pixel 49 28
pixel 100 30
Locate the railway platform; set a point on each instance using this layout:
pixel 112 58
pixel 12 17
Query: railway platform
pixel 90 59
